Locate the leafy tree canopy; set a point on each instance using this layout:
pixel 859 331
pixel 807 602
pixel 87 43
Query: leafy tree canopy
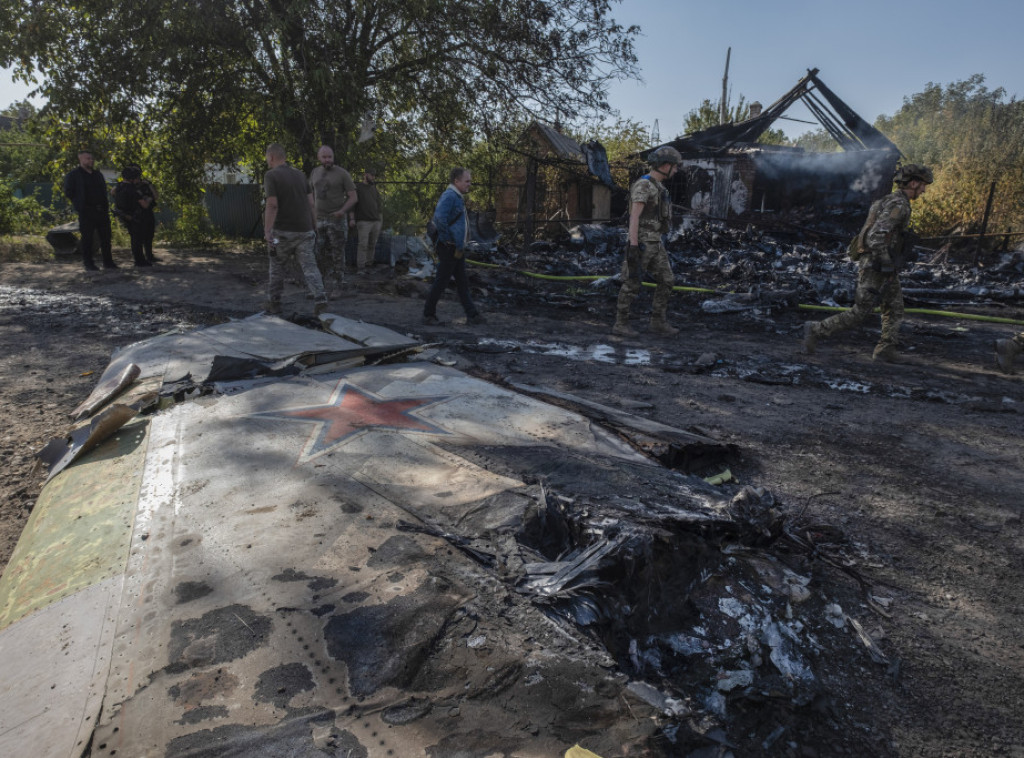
pixel 622 141
pixel 971 136
pixel 24 155
pixel 818 141
pixel 185 85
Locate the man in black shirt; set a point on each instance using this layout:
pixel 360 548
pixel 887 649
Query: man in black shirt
pixel 87 191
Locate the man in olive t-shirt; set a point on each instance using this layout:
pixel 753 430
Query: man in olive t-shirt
pixel 334 194
pixel 289 228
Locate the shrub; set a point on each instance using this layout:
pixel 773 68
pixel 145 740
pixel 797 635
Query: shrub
pixel 20 214
pixel 191 226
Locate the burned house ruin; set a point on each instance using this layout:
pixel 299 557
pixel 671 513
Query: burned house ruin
pixel 727 175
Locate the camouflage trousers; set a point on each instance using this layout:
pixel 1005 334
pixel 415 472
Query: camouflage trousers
pixel 653 260
pixel 874 290
pixel 331 236
pixel 299 244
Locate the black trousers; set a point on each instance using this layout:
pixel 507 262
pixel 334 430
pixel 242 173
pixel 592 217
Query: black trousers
pixel 142 230
pixel 447 267
pixel 90 224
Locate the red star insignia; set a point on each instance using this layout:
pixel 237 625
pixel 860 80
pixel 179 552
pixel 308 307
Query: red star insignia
pixel 352 411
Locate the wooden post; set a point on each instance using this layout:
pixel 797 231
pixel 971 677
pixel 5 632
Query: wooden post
pixel 529 202
pixel 984 224
pixel 723 111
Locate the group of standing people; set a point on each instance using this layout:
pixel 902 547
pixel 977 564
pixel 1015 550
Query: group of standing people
pixel 134 204
pixel 310 218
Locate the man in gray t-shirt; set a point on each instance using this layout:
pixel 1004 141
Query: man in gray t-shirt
pixel 289 228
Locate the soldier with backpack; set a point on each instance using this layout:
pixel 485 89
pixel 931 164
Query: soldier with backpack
pixel 881 249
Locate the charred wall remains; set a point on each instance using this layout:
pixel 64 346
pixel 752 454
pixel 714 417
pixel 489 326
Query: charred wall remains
pixel 727 175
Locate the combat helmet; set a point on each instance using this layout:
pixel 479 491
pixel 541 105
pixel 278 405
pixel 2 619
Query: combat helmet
pixel 664 154
pixel 913 171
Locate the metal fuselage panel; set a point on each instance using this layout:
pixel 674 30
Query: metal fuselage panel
pixel 270 600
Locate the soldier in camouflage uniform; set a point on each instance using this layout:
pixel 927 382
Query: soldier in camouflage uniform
pixel 879 249
pixel 1007 352
pixel 650 217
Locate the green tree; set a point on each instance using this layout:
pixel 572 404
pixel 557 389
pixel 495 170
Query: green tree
pixel 24 155
pixel 708 114
pixel 818 141
pixel 19 214
pixel 971 136
pixel 622 141
pixel 186 85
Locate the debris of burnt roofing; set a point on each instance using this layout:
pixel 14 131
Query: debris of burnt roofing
pixel 727 173
pixel 837 118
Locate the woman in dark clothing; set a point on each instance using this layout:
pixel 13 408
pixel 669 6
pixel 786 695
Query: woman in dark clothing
pixel 133 203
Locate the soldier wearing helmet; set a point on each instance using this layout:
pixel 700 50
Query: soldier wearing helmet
pixel 650 216
pixel 879 249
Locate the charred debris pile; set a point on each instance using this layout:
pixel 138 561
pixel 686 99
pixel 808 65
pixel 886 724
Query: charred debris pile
pixel 787 262
pixel 716 602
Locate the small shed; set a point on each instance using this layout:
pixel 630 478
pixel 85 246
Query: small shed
pixel 559 183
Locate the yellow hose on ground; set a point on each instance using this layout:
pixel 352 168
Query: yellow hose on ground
pixel 805 306
pixel 927 312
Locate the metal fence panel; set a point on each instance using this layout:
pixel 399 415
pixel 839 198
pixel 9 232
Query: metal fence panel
pixel 235 209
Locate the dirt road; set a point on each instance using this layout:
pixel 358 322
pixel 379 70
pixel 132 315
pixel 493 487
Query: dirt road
pixel 909 476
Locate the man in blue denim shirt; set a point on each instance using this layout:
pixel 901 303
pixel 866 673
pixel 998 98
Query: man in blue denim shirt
pixel 452 231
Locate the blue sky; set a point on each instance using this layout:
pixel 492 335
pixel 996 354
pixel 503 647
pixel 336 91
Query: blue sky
pixel 872 53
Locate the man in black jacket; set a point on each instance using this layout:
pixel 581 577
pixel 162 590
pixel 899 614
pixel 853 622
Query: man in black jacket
pixel 87 191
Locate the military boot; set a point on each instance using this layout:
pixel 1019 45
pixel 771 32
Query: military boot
pixel 1006 353
pixel 887 353
pixel 660 326
pixel 622 327
pixel 810 338
pixel 664 329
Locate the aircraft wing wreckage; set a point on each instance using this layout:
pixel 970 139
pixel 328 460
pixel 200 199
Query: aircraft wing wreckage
pixel 281 552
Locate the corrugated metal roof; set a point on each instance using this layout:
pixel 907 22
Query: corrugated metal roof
pixel 564 147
